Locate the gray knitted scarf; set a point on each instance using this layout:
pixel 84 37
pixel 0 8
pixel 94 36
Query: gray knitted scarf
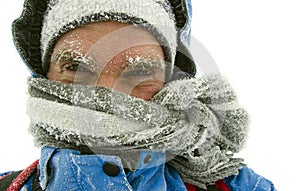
pixel 197 122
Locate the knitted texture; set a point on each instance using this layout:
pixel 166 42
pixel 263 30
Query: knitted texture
pixel 198 122
pixel 26 31
pixel 65 15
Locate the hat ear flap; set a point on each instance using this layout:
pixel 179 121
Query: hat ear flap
pixel 184 64
pixel 26 32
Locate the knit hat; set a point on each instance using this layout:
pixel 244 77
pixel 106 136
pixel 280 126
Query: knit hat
pixel 43 22
pixel 64 15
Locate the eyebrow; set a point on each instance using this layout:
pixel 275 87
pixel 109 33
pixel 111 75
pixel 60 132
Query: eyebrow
pixel 70 56
pixel 139 62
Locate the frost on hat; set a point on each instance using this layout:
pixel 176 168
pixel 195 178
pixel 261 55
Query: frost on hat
pixel 65 15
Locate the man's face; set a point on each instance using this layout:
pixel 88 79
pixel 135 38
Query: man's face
pixel 112 55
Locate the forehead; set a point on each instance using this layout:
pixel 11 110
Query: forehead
pixel 110 32
pixel 104 41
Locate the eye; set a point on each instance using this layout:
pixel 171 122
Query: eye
pixel 75 67
pixel 74 63
pixel 143 70
pixel 138 73
pixel 69 66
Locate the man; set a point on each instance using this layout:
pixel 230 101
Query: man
pixel 114 103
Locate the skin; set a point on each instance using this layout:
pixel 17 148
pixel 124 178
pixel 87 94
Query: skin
pixel 110 54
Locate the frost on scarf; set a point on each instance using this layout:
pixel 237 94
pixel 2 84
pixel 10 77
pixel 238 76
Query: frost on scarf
pixel 196 120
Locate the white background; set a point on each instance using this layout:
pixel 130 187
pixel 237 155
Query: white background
pixel 256 45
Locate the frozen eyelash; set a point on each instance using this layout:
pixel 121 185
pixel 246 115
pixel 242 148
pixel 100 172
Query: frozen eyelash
pixel 66 66
pixel 139 62
pixel 86 62
pixel 74 58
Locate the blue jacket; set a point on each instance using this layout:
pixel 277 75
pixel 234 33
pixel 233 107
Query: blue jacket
pixel 66 170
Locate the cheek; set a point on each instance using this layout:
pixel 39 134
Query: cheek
pixel 145 90
pixel 146 93
pixel 55 74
